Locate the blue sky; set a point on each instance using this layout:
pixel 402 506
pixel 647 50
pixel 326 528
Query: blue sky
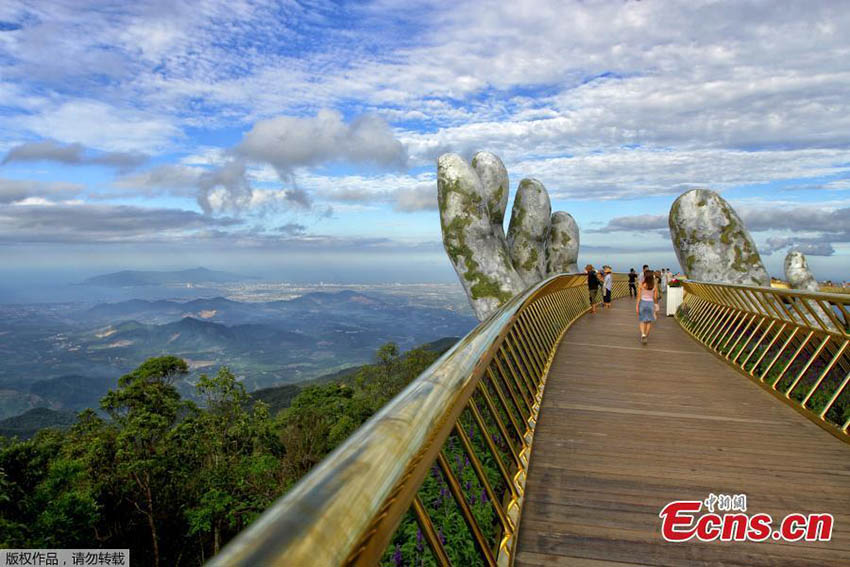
pixel 294 135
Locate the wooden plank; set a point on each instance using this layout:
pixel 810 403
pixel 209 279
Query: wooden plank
pixel 625 428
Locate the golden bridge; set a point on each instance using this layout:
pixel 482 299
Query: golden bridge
pixel 552 436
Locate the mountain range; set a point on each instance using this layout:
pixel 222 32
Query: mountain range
pixel 130 278
pixel 66 359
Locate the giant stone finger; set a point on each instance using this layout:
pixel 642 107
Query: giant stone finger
pixel 528 230
pixel 479 257
pixel 562 244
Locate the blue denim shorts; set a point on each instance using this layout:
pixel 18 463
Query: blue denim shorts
pixel 646 311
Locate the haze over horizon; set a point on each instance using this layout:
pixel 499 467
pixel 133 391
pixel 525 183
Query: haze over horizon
pixel 299 141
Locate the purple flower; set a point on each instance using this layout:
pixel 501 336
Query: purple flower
pixel 483 496
pixel 471 432
pixel 397 557
pixel 441 536
pixel 468 486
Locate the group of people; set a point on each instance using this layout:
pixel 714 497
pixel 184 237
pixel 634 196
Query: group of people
pixel 647 288
pixel 597 281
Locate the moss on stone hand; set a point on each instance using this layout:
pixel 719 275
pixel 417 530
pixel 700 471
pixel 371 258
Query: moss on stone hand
pixel 489 287
pixel 454 241
pixel 495 203
pixel 531 261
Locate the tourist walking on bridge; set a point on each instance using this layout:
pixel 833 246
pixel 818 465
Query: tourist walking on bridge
pixel 661 281
pixel 645 304
pixel 607 287
pixel 632 283
pixel 592 286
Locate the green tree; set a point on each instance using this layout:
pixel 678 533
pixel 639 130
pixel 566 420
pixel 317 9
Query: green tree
pixel 145 409
pixel 239 470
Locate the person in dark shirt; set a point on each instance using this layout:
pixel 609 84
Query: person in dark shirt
pixel 632 283
pixel 592 286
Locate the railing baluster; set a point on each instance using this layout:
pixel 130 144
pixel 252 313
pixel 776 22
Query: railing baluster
pixel 708 324
pixel 743 332
pixel 507 525
pixel 792 359
pixel 825 371
pixel 503 468
pixel 466 512
pixel 498 421
pixel 803 370
pixel 533 346
pixel 513 387
pixel 522 368
pixel 718 325
pixel 745 317
pixel 424 520
pixel 779 353
pixel 518 381
pixel 834 397
pixel 709 310
pixel 543 325
pixel 534 365
pixel 755 346
pixel 726 331
pixel 520 433
pixel 773 341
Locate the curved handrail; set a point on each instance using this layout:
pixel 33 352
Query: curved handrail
pixel 347 508
pixel 793 343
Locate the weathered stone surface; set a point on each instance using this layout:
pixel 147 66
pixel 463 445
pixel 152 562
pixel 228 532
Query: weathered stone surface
pixel 479 256
pixel 494 180
pixel 711 242
pixel 797 272
pixel 562 244
pixel 800 277
pixel 529 229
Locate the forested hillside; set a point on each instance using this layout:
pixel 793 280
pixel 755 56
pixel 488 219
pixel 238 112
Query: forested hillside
pixel 173 480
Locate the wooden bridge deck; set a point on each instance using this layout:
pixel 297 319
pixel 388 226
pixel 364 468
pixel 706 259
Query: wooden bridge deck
pixel 626 428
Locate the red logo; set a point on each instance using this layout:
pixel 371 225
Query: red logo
pixel 681 521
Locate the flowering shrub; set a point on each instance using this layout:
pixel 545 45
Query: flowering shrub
pixel 675 282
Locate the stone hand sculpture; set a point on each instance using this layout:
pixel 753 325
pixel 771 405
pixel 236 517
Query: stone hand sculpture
pixel 711 242
pixel 492 268
pixel 797 272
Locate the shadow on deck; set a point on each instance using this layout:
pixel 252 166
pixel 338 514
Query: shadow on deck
pixel 625 428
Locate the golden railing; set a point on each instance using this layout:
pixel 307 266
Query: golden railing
pixel 792 343
pixel 465 426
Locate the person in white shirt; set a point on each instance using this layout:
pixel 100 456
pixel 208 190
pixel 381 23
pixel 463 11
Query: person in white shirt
pixel 607 286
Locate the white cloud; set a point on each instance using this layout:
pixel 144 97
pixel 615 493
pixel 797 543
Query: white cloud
pixel 71 154
pixel 598 99
pixel 100 125
pixel 16 191
pixel 287 142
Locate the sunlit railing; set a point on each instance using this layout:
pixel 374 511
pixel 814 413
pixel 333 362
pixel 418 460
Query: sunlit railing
pixel 792 343
pixel 439 472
